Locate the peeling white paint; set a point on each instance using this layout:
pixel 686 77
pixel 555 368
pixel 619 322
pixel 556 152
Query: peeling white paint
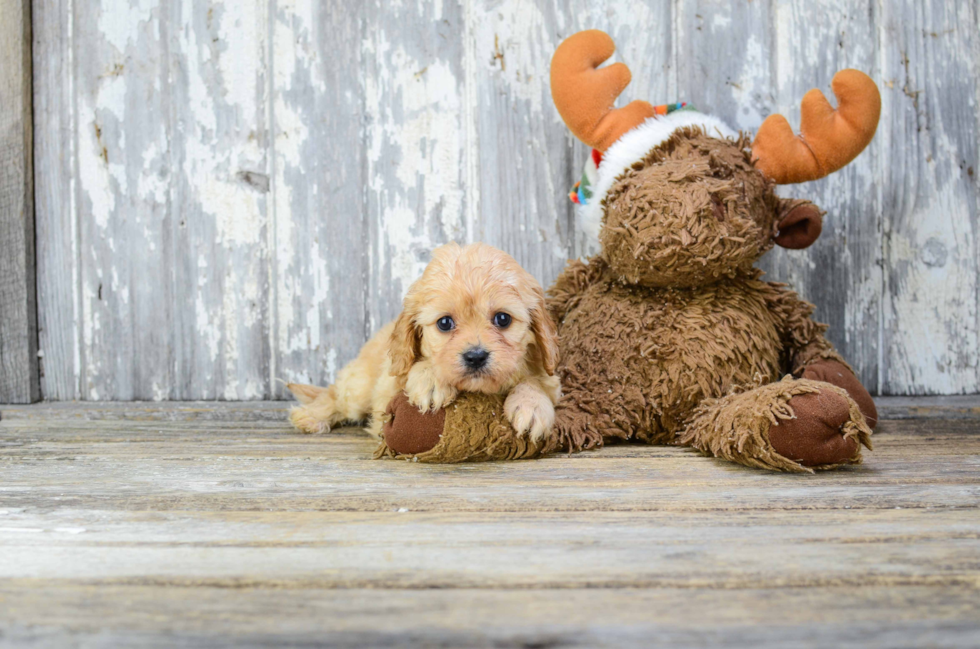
pixel 240 45
pixel 751 83
pixel 935 350
pixel 120 20
pixel 207 330
pixel 332 364
pixel 517 33
pixel 153 186
pixel 425 146
pixel 720 20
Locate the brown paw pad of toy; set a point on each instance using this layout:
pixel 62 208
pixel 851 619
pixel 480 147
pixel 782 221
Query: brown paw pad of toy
pixel 471 429
pixel 837 373
pixel 816 436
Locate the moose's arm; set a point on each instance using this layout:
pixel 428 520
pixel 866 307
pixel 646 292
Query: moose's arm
pixel 808 354
pixel 569 287
pixel 803 339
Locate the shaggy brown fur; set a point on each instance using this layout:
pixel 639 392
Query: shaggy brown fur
pixel 692 212
pixel 670 335
pixel 743 426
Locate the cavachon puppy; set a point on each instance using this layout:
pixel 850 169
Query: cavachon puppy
pixel 475 321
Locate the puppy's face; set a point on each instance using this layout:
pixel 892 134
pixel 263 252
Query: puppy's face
pixel 479 318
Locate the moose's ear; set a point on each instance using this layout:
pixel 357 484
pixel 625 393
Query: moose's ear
pixel 798 225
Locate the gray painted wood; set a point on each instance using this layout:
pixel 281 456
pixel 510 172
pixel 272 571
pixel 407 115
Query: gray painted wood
pixel 172 527
pixel 215 148
pixel 319 314
pixel 268 177
pixel 123 186
pixel 56 224
pixel 18 306
pixel 516 135
pixel 929 136
pixel 417 142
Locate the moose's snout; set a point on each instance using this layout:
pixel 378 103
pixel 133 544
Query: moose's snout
pixel 475 358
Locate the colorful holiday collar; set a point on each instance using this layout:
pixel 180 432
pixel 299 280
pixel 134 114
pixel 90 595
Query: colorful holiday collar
pixel 582 192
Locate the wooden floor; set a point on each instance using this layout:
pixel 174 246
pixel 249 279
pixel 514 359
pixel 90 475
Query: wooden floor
pixel 214 525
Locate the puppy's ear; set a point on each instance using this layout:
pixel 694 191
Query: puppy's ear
pixel 405 344
pixel 545 334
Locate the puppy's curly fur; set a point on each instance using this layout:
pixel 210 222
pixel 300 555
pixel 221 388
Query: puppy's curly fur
pixel 451 337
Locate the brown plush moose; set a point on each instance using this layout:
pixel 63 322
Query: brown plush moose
pixel 668 335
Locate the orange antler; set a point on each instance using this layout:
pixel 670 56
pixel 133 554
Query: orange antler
pixel 584 95
pixel 829 139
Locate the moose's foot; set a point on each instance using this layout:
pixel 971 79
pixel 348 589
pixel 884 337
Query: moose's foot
pixel 791 425
pixel 836 373
pixel 815 434
pixel 417 431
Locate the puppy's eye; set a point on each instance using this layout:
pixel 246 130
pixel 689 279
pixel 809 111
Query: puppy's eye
pixel 445 323
pixel 501 320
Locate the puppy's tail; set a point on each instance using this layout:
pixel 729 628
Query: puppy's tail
pixel 305 393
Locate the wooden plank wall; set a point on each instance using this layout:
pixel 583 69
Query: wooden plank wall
pixel 233 193
pixel 18 307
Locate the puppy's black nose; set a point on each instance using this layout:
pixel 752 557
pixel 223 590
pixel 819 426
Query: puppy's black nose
pixel 475 358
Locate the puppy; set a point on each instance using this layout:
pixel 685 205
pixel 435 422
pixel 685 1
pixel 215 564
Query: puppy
pixel 475 321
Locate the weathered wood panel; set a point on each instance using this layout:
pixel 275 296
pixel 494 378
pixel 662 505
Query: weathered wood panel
pixel 272 175
pixel 218 128
pixel 929 137
pixel 18 307
pixel 227 530
pixel 516 132
pixel 122 183
pixel 48 615
pixel 56 223
pixel 417 161
pixel 239 464
pixel 152 200
pixel 319 313
pixel 493 550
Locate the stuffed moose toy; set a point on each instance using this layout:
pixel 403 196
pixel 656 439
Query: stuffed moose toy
pixel 668 335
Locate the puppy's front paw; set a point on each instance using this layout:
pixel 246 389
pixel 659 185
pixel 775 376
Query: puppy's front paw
pixel 424 391
pixel 530 412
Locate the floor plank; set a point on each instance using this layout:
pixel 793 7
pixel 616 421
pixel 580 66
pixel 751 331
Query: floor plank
pixel 777 618
pixel 965 406
pixel 211 525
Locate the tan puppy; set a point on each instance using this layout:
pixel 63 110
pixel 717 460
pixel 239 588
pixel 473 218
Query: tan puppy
pixel 475 321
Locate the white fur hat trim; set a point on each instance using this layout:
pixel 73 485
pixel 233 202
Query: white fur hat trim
pixel 632 147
